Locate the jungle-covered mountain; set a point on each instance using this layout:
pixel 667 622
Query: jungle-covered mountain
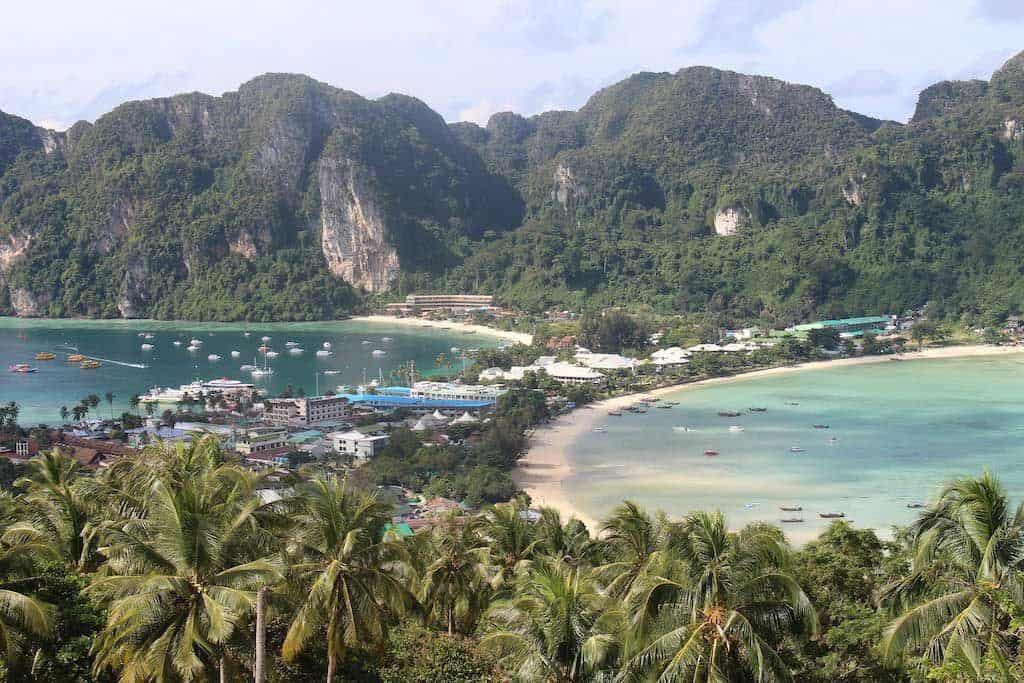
pixel 699 190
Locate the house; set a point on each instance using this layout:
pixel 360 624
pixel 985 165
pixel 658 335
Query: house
pixel 361 446
pixel 605 361
pixel 673 355
pixel 440 507
pixel 264 442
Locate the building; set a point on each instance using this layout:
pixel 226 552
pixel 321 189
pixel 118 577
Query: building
pixel 425 397
pixel 605 361
pixel 360 446
pixel 673 355
pixel 449 391
pixel 262 441
pixel 462 303
pixel 568 373
pixel 305 411
pixel 849 327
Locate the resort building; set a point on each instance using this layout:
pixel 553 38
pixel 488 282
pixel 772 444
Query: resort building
pixel 605 361
pixel 459 303
pixel 448 391
pixel 673 355
pixel 262 441
pixel 306 411
pixel 425 397
pixel 569 373
pixel 361 446
pixel 850 327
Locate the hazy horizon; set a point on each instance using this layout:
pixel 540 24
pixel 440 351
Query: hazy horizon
pixel 468 62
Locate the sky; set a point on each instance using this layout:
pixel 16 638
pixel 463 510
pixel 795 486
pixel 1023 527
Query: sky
pixel 68 60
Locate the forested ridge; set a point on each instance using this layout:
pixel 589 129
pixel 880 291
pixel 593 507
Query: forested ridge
pixel 703 190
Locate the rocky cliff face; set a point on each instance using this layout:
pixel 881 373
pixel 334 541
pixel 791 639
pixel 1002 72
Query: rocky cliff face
pixel 354 237
pixel 730 220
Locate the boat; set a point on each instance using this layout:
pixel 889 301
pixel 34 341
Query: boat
pixel 247 368
pixel 148 336
pixel 196 342
pixel 366 342
pixel 76 358
pixel 272 354
pixel 710 452
pixel 176 342
pixel 327 345
pixel 291 344
pixel 833 439
pixel 263 349
pixel 213 358
pixel 792 403
pixel 821 426
pixel 791 520
pixel 246 334
pixel 832 515
pixel 735 428
pixel 600 430
pixel 296 351
pixel 615 413
pixel 265 339
pixel 89 364
pixel 22 368
pixel 795 449
pixel 728 413
pixel 758 410
pixel 915 506
pixel 377 353
pixel 235 354
pixel 332 372
pixel 265 370
pixel 192 347
pixel 682 428
pixel 664 406
pixel 147 347
pixel 45 355
pixel 386 339
pixel 791 508
pixel 323 353
pixel 671 403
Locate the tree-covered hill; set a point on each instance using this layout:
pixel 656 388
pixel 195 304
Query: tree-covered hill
pixel 703 189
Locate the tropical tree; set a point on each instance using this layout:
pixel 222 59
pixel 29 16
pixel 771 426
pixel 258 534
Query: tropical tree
pixel 78 412
pixel 182 576
pixel 631 538
pixel 353 579
pixel 965 580
pixel 454 589
pixel 134 402
pixel 511 541
pixel 63 413
pixel 558 626
pixel 24 620
pixel 569 542
pixel 109 396
pixel 719 612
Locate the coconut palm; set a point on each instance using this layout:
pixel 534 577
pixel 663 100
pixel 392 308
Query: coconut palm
pixel 714 608
pixel 570 541
pixel 454 590
pixel 511 542
pixel 24 620
pixel 57 510
pixel 354 587
pixel 181 581
pixel 631 538
pixel 969 552
pixel 134 402
pixel 109 396
pixel 558 626
pixel 64 413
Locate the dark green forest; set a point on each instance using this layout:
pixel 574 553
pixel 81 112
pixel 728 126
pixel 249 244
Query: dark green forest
pixel 291 199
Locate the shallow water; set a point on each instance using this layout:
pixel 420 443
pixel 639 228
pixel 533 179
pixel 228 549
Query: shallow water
pixel 901 430
pixel 41 394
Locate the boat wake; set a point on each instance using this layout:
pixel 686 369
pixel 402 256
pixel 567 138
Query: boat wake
pixel 139 366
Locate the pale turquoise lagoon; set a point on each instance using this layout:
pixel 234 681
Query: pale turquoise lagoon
pixel 900 430
pixel 41 394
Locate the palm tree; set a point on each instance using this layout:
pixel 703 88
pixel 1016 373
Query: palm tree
pixel 716 605
pixel 454 588
pixel 134 401
pixel 63 413
pixel 632 539
pixel 183 567
pixel 511 540
pixel 150 409
pixel 24 620
pixel 58 512
pixel 353 589
pixel 78 412
pixel 569 542
pixel 969 552
pixel 558 626
pixel 110 402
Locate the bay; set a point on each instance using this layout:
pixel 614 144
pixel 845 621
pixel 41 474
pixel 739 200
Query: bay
pixel 117 342
pixel 896 432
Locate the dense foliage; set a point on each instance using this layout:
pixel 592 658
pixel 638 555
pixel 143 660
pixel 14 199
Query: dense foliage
pixel 196 206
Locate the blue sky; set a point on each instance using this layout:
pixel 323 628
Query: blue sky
pixel 66 61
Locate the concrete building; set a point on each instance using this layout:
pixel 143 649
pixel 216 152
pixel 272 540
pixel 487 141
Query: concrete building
pixel 673 355
pixel 262 441
pixel 360 446
pixel 605 361
pixel 300 412
pixel 421 303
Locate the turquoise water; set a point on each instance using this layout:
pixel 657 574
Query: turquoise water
pixel 41 394
pixel 902 429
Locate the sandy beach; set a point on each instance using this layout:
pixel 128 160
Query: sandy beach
pixel 546 465
pixel 518 337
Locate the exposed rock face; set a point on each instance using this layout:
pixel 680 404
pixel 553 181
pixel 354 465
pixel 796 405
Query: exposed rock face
pixel 730 220
pixel 122 218
pixel 132 299
pixel 353 233
pixel 567 187
pixel 26 304
pixel 12 248
pixel 852 192
pixel 1012 129
pixel 244 246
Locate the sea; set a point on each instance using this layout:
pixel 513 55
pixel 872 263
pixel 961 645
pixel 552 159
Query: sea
pixel 126 368
pixel 888 436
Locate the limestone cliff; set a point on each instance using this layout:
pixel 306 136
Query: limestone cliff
pixel 354 237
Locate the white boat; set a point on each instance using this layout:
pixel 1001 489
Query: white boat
pixel 323 353
pixel 213 358
pixel 147 347
pixel 377 353
pixel 246 334
pixel 176 342
pixel 169 395
pixel 366 342
pixel 272 354
pixel 266 339
pixel 149 336
pixel 332 372
pixel 295 351
pixel 247 368
pixel 386 339
pixel 262 372
pixel 235 354
pixel 142 334
pixel 682 428
pixel 193 348
pixel 327 345
pixel 291 344
pixel 454 349
pixel 196 342
pixel 735 428
pixel 795 449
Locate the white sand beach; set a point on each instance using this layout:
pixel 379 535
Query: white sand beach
pixel 518 337
pixel 542 472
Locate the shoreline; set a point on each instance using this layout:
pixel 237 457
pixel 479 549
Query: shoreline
pixel 542 471
pixel 470 328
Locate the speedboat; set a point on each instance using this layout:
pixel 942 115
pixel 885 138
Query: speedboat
pixel 265 339
pixel 386 339
pixel 795 449
pixel 291 344
pixel 791 520
pixel 758 410
pixel 832 515
pixel 331 372
pixel 728 413
pixel 196 342
pixel 235 354
pixel 821 426
pixel 327 345
pixel 377 353
pixel 454 349
pixel 147 347
pixel 323 353
pixel 176 342
pixel 22 368
pixel 193 348
pixel 710 452
pixel 366 342
pixel 263 349
pixel 915 506
pixel 682 429
pixel 295 351
pixel 213 358
pixel 149 336
pixel 600 429
pixel 89 364
pixel 45 355
pixel 262 372
pixel 76 358
pixel 735 428
pixel 615 413
pixel 247 368
pixel 272 354
pixel 791 508
pixel 246 334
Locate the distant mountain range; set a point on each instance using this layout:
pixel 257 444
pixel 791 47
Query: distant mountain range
pixel 701 190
